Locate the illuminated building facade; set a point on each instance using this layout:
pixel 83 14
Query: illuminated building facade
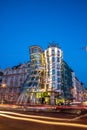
pixel 53 60
pixel 45 76
pixel 44 79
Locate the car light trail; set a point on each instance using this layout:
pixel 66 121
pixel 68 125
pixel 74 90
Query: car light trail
pixel 72 107
pixel 32 116
pixel 45 122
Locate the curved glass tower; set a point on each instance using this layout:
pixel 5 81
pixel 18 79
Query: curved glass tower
pixel 35 80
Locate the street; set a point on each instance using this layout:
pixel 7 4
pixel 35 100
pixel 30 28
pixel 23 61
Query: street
pixel 40 121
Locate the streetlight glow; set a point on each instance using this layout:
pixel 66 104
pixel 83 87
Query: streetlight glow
pixel 3 85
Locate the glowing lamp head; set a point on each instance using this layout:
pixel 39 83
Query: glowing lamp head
pixel 3 85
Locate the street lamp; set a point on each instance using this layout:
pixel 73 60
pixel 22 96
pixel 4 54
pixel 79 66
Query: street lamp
pixel 3 86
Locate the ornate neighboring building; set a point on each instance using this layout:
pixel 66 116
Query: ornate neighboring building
pixel 13 78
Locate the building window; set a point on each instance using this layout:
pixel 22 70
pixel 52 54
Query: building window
pixel 53 78
pixel 53 85
pixel 48 60
pixel 11 83
pixel 53 71
pixel 48 73
pixel 53 52
pixel 58 59
pixel 7 73
pixel 58 53
pixel 48 67
pixel 16 83
pixel 58 86
pixel 58 66
pixel 59 80
pixel 58 73
pixel 47 53
pixel 53 59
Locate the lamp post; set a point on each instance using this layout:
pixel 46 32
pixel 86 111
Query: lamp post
pixel 3 86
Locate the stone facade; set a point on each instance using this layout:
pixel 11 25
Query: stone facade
pixel 14 78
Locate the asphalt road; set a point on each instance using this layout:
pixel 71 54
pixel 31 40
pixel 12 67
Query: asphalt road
pixel 13 124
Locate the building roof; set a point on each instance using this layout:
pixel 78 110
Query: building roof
pixel 53 44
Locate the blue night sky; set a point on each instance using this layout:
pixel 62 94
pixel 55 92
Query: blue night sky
pixel 37 22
